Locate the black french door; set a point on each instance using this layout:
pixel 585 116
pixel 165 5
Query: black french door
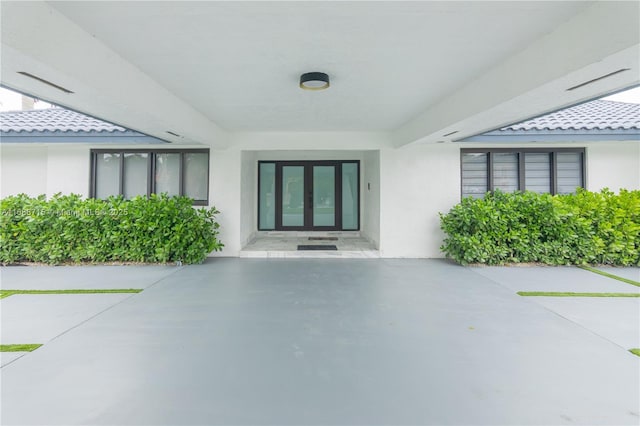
pixel 307 195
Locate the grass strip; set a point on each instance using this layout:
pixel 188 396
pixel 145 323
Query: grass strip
pixel 608 275
pixel 635 351
pixel 568 294
pixel 20 348
pixel 7 293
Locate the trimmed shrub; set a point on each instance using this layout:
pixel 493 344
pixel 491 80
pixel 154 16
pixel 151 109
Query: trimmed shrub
pixel 585 227
pixel 67 228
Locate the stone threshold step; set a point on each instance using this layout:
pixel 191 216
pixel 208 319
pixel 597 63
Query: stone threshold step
pixel 318 254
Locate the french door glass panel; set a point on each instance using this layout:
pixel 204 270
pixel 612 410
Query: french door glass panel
pixel 350 196
pixel 324 196
pixel 292 196
pixel 308 195
pixel 267 196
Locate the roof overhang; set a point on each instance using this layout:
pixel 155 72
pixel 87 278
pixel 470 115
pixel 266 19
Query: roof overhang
pixel 73 45
pixel 89 138
pixel 506 136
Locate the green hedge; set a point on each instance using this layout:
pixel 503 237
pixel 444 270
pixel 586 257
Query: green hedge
pixel 67 228
pixel 581 228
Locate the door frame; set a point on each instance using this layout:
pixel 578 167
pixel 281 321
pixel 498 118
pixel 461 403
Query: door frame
pixel 308 194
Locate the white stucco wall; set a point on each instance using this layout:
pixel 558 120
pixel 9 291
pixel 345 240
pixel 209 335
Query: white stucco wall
pixel 370 196
pixel 38 169
pixel 249 195
pixel 409 186
pixel 23 169
pixel 224 192
pixel 613 165
pixel 417 182
pixel 68 169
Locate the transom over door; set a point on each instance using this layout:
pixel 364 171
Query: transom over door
pixel 308 195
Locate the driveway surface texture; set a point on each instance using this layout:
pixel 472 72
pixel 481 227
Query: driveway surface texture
pixel 318 341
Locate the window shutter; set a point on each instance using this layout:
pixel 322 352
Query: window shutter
pixel 569 166
pixel 537 172
pixel 505 171
pixel 540 170
pixel 474 175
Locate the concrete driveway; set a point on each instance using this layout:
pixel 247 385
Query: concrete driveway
pixel 247 341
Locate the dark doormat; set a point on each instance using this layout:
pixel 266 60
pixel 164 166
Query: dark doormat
pixel 317 247
pixel 323 238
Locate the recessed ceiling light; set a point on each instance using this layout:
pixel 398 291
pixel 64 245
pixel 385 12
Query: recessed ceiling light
pixel 314 81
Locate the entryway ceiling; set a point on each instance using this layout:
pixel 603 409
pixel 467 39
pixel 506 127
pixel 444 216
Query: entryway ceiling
pixel 195 67
pixel 239 63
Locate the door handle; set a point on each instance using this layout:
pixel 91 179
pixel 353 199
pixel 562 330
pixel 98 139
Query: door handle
pixel 311 199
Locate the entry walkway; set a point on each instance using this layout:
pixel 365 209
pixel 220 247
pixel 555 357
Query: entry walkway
pixel 308 341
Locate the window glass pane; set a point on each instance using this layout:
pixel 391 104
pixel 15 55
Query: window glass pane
pixel 107 175
pixel 324 195
pixel 267 197
pixel 474 175
pixel 505 171
pixel 350 196
pixel 537 172
pixel 135 174
pixel 168 174
pixel 569 166
pixel 196 179
pixel 292 196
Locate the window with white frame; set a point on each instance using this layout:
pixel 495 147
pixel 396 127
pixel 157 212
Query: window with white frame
pixel 555 171
pixel 143 172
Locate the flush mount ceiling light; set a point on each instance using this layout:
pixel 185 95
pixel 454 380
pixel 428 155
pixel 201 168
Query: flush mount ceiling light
pixel 314 81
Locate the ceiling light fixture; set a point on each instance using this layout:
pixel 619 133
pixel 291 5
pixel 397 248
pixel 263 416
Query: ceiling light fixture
pixel 314 81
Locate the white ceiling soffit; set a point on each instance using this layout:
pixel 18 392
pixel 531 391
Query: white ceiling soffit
pixel 418 69
pixel 42 42
pixel 595 53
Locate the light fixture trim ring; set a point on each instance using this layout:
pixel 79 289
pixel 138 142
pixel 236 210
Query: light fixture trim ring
pixel 314 81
